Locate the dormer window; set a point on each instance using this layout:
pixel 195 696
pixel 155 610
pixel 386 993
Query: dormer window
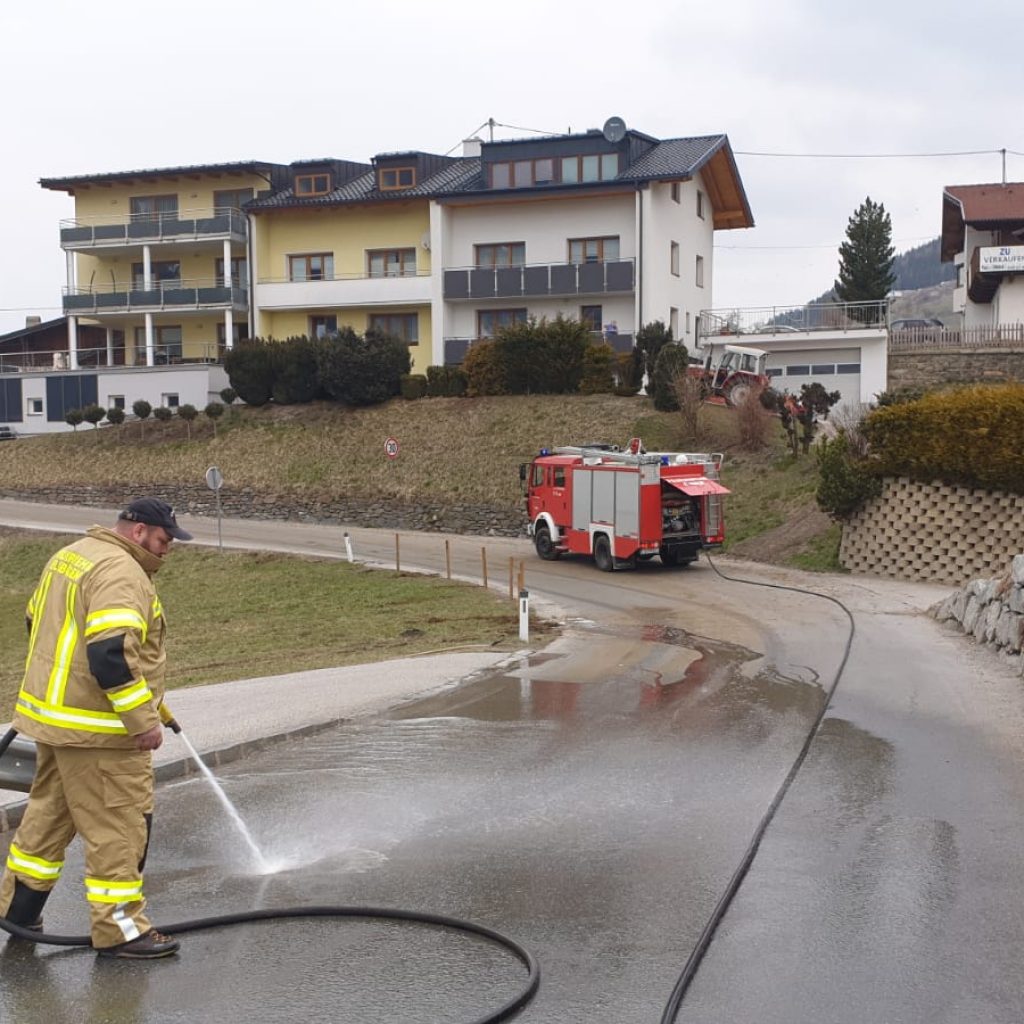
pixel 389 179
pixel 312 185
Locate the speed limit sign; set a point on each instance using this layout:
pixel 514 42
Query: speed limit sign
pixel 391 447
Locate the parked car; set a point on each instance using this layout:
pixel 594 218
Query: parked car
pixel 916 323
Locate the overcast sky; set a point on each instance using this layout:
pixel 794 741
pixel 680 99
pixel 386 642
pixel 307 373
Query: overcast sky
pixel 118 86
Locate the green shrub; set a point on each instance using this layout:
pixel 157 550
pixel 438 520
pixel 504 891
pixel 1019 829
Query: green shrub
pixel 564 344
pixel 248 366
pixel 115 415
pixel 163 414
pixel 363 369
pixel 74 418
pixel 414 385
pixel 228 395
pixel 650 340
pixel 968 436
pixel 598 370
pixel 845 481
pixel 671 363
pixel 93 414
pixel 446 381
pixel 629 372
pixel 897 396
pixel 485 370
pixel 295 366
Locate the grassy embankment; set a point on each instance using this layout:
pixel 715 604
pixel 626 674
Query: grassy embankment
pixel 294 614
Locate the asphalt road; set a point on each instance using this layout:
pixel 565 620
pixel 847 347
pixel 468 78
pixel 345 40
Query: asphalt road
pixel 593 801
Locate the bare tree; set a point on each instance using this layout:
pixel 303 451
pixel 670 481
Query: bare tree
pixel 689 391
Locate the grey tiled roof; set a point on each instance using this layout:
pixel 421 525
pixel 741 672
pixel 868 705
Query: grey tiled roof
pixel 234 166
pixel 672 157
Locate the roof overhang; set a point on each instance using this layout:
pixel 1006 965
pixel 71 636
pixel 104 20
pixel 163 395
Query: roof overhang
pixel 725 189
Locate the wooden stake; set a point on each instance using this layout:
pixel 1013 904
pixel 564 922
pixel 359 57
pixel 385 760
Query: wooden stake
pixel 483 561
pixel 511 578
pixel 448 558
pixel 398 563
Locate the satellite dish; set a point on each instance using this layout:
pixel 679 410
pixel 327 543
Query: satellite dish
pixel 614 129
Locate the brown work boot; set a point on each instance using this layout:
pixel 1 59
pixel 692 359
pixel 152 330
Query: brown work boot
pixel 146 947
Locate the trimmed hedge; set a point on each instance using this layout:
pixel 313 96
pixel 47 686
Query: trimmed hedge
pixel 971 436
pixel 446 382
pixel 414 385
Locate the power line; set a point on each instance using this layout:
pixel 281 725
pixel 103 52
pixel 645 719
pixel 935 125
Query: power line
pixel 834 245
pixel 876 156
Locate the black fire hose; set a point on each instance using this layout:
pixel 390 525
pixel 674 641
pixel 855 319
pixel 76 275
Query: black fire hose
pixel 504 1012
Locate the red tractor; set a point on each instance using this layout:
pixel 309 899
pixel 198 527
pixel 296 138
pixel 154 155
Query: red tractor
pixel 731 372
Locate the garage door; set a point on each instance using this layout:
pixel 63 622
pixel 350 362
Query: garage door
pixel 834 369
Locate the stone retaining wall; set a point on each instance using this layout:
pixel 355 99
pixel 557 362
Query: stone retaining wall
pixel 993 610
pixel 922 369
pixel 197 499
pixel 934 532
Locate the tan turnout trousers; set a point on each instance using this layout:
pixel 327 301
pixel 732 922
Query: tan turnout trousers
pixel 106 797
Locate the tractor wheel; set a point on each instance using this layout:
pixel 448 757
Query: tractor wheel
pixel 544 544
pixel 603 554
pixel 738 394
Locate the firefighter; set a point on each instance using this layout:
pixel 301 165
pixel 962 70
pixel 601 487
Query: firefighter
pixel 91 699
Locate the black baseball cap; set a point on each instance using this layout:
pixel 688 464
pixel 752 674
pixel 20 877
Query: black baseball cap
pixel 154 512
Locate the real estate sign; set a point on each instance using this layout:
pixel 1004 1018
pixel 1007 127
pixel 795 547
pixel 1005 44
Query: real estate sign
pixel 1001 259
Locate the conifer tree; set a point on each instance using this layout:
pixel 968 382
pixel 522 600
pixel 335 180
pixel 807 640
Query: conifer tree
pixel 866 257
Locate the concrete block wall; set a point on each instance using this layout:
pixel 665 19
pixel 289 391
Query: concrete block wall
pixel 934 532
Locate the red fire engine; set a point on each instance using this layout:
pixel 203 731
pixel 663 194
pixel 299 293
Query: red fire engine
pixel 621 506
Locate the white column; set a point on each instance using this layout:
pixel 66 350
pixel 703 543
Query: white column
pixel 150 356
pixel 147 273
pixel 438 308
pixel 110 346
pixel 229 315
pixel 227 263
pixel 69 260
pixel 73 342
pixel 229 329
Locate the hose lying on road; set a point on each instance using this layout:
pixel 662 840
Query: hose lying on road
pixel 704 941
pixel 504 1012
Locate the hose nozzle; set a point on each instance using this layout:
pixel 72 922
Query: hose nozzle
pixel 168 719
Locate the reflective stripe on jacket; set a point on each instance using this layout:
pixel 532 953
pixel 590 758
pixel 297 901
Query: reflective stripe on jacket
pixel 96 591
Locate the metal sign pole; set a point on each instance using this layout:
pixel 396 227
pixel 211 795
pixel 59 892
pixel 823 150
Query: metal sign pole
pixel 215 480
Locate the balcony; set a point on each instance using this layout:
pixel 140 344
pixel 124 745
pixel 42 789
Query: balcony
pixel 162 296
pixel 455 349
pixel 537 280
pixel 781 321
pixel 132 231
pixel 989 265
pixel 340 290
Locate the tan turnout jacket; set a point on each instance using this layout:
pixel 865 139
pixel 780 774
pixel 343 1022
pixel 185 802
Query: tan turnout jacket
pixel 94 592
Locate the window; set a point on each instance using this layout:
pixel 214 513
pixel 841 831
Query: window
pixel 166 343
pixel 153 207
pixel 593 250
pixel 675 191
pixel 490 321
pixel 404 326
pixel 848 368
pixel 312 184
pixel 959 275
pixel 35 407
pixel 501 254
pixel 321 326
pixel 522 173
pixel 391 178
pixel 312 267
pixel 700 272
pixel 673 321
pixel 798 371
pixel 538 476
pixel 687 324
pixel 238 331
pixel 239 272
pixel 115 401
pixel 593 167
pixel 673 258
pixel 700 204
pixel 226 199
pixel 592 317
pixel 391 262
pixel 823 368
pixel 773 372
pixel 558 476
pixel 169 400
pixel 162 272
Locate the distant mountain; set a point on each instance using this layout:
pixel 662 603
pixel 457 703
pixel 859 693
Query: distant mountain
pixel 920 267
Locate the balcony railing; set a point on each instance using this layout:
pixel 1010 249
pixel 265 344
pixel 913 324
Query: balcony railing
pixel 1001 337
pixel 161 295
pixel 455 349
pixel 92 356
pixel 539 279
pixel 180 226
pixel 780 320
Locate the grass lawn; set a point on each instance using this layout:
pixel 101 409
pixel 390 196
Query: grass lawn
pixel 238 615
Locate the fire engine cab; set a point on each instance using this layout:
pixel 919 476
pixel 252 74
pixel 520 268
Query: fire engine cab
pixel 622 506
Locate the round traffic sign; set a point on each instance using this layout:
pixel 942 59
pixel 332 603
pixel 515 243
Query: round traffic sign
pixel 391 447
pixel 214 478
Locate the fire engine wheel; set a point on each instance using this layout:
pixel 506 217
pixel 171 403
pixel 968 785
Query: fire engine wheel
pixel 545 545
pixel 603 554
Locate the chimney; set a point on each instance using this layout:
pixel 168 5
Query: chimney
pixel 33 321
pixel 471 147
